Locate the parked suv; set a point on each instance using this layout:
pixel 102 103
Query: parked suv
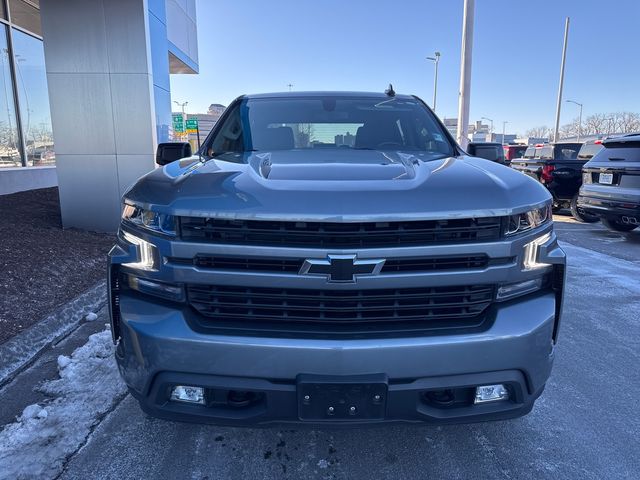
pixel 334 258
pixel 559 169
pixel 611 184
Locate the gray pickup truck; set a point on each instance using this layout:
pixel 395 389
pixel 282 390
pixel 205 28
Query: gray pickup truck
pixel 334 259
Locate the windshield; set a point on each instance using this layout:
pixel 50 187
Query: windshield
pixel 329 122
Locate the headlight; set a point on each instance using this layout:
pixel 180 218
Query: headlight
pixel 586 177
pixel 157 222
pixel 529 220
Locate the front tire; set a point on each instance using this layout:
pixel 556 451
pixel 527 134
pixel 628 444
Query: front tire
pixel 617 226
pixel 581 216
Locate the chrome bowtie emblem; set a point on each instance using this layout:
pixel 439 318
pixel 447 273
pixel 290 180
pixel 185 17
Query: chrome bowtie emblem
pixel 341 268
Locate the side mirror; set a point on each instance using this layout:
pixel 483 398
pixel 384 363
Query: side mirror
pixel 172 151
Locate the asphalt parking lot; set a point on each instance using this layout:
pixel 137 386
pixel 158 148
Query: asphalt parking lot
pixel 77 422
pixel 586 425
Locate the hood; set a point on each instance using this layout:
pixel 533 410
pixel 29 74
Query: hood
pixel 350 185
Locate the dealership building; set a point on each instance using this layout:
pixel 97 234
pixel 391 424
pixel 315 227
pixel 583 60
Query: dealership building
pixel 85 96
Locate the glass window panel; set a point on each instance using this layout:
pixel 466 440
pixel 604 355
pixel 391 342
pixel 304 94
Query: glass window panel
pixel 25 14
pixel 3 12
pixel 31 83
pixel 9 140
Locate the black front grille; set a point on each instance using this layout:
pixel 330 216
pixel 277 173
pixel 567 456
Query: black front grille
pixel 335 310
pixel 292 265
pixel 340 235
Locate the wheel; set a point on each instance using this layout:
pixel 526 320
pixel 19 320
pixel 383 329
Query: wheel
pixel 579 215
pixel 617 226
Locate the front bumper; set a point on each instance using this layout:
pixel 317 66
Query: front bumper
pixel 159 346
pixel 159 350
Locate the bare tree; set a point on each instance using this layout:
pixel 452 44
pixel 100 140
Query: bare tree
pixel 596 124
pixel 627 122
pixel 539 132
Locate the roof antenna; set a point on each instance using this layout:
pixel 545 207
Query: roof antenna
pixel 390 92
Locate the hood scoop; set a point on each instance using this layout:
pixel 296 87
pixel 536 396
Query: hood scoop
pixel 335 172
pixel 352 166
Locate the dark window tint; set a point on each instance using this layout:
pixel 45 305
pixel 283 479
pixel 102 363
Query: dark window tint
pixel 588 150
pixel 338 122
pixel 619 152
pixel 545 153
pixel 530 152
pixel 490 152
pixel 567 151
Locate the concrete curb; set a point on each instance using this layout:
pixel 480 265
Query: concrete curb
pixel 19 351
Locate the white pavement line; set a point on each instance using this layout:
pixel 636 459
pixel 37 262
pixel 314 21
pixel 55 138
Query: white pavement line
pixel 37 444
pixel 17 353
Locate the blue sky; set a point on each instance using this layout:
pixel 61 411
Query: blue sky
pixel 251 46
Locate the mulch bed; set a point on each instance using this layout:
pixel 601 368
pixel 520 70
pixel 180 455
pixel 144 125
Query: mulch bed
pixel 43 266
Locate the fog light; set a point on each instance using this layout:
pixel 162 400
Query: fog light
pixel 182 393
pixel 491 393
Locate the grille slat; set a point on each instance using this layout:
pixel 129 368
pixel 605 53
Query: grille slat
pixel 292 265
pixel 340 235
pixel 339 308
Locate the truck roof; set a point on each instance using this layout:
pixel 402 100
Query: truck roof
pixel 324 94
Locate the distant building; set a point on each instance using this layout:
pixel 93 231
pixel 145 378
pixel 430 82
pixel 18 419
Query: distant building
pixel 531 140
pixel 216 109
pixel 477 132
pixel 347 139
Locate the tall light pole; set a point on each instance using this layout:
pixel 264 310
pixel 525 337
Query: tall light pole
pixel 564 57
pixel 290 85
pixel 504 124
pixel 182 105
pixel 465 73
pixel 435 59
pixel 579 118
pixel 491 130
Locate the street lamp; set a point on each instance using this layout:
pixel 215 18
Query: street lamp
pixel 435 59
pixel 579 119
pixel 491 130
pixel 503 130
pixel 182 105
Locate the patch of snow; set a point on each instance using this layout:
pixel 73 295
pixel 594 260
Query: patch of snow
pixel 37 443
pixel 32 411
pixel 63 361
pixel 91 317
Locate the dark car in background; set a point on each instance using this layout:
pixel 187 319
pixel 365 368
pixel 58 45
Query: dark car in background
pixel 488 150
pixel 611 184
pixel 513 151
pixel 557 167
